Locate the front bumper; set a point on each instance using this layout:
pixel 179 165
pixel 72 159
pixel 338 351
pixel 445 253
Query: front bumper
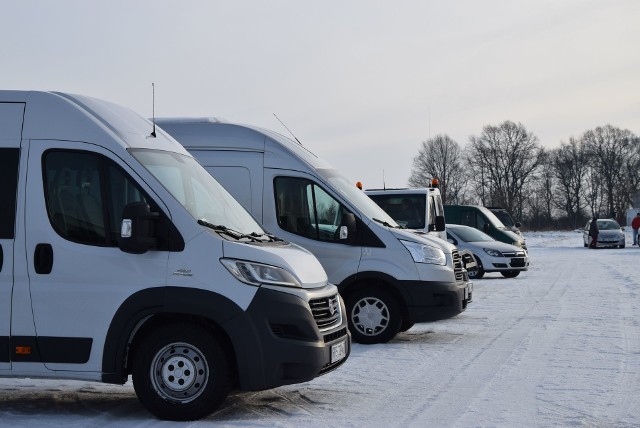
pixel 432 301
pixel 498 264
pixel 277 341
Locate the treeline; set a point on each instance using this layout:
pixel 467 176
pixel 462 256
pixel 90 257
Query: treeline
pixel 597 174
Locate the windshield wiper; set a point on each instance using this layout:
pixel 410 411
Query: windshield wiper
pixel 269 236
pixel 233 233
pixel 384 223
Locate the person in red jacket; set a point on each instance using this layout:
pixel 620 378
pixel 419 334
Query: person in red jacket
pixel 635 225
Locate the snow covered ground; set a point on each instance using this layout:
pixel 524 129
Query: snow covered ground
pixel 557 346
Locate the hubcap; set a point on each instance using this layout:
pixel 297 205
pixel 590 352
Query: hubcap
pixel 179 372
pixel 370 316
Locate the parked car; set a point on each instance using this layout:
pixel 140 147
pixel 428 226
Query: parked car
pixel 610 235
pixel 491 255
pixel 504 216
pixel 484 220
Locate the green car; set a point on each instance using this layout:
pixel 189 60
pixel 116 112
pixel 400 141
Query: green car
pixel 482 219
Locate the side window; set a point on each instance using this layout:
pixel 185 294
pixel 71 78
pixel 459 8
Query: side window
pixel 468 218
pixel 121 190
pixel 9 158
pixel 304 208
pixel 85 195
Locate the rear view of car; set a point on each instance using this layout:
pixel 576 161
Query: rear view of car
pixel 610 234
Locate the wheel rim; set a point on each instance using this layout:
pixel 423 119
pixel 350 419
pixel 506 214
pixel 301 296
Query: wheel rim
pixel 179 372
pixel 370 316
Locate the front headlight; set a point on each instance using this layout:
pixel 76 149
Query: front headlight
pixel 257 273
pixel 493 253
pixel 425 253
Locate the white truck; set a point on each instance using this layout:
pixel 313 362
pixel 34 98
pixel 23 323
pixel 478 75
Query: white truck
pixel 390 278
pixel 417 208
pixel 120 255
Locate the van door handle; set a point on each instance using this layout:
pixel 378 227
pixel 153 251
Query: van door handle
pixel 43 259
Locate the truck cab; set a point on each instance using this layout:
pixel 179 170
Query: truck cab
pixel 418 208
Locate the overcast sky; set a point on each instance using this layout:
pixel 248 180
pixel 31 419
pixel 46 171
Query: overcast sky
pixel 360 82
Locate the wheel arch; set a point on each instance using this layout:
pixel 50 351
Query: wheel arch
pixel 381 280
pixel 151 308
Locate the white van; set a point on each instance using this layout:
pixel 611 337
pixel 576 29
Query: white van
pixel 390 278
pixel 418 208
pixel 121 255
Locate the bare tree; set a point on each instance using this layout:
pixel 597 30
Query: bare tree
pixel 610 149
pixel 569 163
pixel 504 159
pixel 440 157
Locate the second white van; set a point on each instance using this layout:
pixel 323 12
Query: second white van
pixel 390 278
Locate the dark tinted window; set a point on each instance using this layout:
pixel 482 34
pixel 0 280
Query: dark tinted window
pixel 407 210
pixel 304 208
pixel 9 158
pixel 86 194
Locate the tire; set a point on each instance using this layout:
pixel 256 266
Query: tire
pixel 374 316
pixel 586 245
pixel 406 325
pixel 621 246
pixel 478 272
pixel 181 372
pixel 510 273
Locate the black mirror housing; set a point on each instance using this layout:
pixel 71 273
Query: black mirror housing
pixel 137 230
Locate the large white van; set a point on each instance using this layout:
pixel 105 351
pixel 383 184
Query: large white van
pixel 120 254
pixel 390 278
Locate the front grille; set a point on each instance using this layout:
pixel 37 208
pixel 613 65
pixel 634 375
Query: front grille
pixel 519 262
pixel 326 312
pixel 513 253
pixel 330 337
pixel 457 266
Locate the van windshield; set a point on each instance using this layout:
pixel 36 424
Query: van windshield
pixel 196 190
pixel 356 197
pixel 504 217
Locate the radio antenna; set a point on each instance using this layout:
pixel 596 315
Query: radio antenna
pixel 153 108
pixel 287 129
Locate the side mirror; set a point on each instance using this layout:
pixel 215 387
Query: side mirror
pixel 440 224
pixel 486 228
pixel 518 224
pixel 136 232
pixel 348 227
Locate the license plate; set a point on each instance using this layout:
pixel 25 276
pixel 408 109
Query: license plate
pixel 338 351
pixel 608 239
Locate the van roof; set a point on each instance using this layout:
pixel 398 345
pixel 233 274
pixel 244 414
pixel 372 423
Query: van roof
pixel 405 190
pixel 197 133
pixel 62 116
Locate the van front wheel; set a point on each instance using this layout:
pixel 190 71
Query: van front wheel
pixel 374 316
pixel 181 372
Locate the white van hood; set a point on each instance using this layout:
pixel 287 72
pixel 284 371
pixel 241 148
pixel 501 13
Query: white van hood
pixel 411 235
pixel 299 262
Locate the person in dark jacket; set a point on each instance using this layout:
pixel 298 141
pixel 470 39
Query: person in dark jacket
pixel 635 225
pixel 593 233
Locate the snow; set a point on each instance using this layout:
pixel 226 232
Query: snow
pixel 557 346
